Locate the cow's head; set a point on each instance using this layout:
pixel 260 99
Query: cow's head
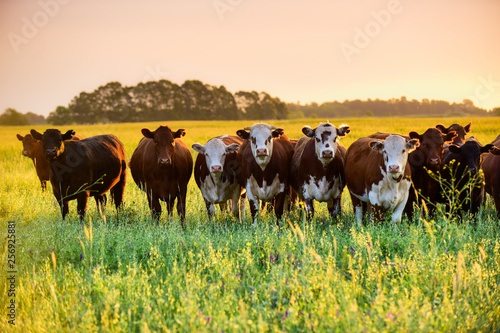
pixel 215 151
pixel 395 150
pixel 325 139
pixel 164 143
pixel 52 141
pixel 461 131
pixel 469 154
pixel 430 150
pixel 29 145
pixel 261 141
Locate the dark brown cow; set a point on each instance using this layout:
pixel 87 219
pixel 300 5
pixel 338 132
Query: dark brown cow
pixel 318 167
pixel 161 165
pixel 461 131
pixel 378 175
pixel 427 157
pixel 79 169
pixel 491 169
pixel 33 149
pixel 265 158
pixel 462 164
pixel 215 171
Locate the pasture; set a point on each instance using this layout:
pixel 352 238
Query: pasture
pixel 131 274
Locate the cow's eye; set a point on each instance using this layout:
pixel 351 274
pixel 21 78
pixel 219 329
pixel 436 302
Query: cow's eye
pixel 269 139
pixel 317 140
pixel 156 142
pixel 404 151
pixel 173 143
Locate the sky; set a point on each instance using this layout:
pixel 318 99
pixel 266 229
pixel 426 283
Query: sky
pixel 299 51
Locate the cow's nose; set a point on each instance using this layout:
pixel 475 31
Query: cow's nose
pixel 216 168
pixel 25 152
pixel 327 153
pixel 164 161
pixel 262 152
pixel 393 168
pixel 434 161
pixel 51 152
pixel 472 169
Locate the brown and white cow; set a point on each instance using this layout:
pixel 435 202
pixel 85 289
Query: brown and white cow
pixel 318 167
pixel 460 130
pixel 161 165
pixel 491 169
pixel 265 157
pixel 378 175
pixel 216 170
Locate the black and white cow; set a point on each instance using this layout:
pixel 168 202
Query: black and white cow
pixel 318 167
pixel 265 157
pixel 215 171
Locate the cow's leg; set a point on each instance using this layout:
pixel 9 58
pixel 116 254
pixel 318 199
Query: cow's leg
pixel 243 203
pixel 496 199
pixel 64 208
pixel 358 206
pixel 181 204
pixel 154 206
pixel 44 185
pixel 309 208
pixel 279 205
pixel 235 198
pixel 334 206
pixel 82 200
pixel 210 209
pixel 223 206
pixel 119 188
pixel 254 208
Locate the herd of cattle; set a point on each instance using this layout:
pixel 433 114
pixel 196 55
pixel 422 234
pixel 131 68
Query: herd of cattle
pixel 384 172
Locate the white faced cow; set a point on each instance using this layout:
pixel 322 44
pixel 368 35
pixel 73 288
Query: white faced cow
pixel 318 167
pixel 378 175
pixel 265 157
pixel 215 171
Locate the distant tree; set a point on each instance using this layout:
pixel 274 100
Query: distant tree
pixel 496 111
pixel 369 113
pixel 313 116
pixel 35 119
pixel 11 117
pixel 61 116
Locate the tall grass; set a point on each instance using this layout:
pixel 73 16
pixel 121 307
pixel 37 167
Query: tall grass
pixel 132 274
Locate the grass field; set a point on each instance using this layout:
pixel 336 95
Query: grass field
pixel 225 276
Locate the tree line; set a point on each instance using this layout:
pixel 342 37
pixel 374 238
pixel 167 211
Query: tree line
pixel 193 100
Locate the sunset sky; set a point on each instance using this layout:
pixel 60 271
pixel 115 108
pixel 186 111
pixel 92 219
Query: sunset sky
pixel 323 50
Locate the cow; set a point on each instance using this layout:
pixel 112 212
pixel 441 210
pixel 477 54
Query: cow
pixel 318 167
pixel 33 149
pixel 265 157
pixel 461 167
pixel 88 167
pixel 215 171
pixel 427 157
pixel 161 166
pixel 378 173
pixel 461 131
pixel 491 168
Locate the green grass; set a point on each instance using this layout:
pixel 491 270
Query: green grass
pixel 135 275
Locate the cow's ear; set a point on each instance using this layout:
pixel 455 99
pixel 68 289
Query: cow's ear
pixel 441 127
pixel 468 127
pixel 308 131
pixel 377 145
pixel 20 137
pixel 414 135
pixel 448 137
pixel 243 134
pixel 495 151
pixel 343 130
pixel 198 148
pixel 147 133
pixel 277 132
pixel 68 135
pixel 36 135
pixel 232 148
pixel 455 149
pixel 180 132
pixel 488 148
pixel 412 144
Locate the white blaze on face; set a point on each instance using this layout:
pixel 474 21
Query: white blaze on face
pixel 395 150
pixel 261 142
pixel 215 152
pixel 325 141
